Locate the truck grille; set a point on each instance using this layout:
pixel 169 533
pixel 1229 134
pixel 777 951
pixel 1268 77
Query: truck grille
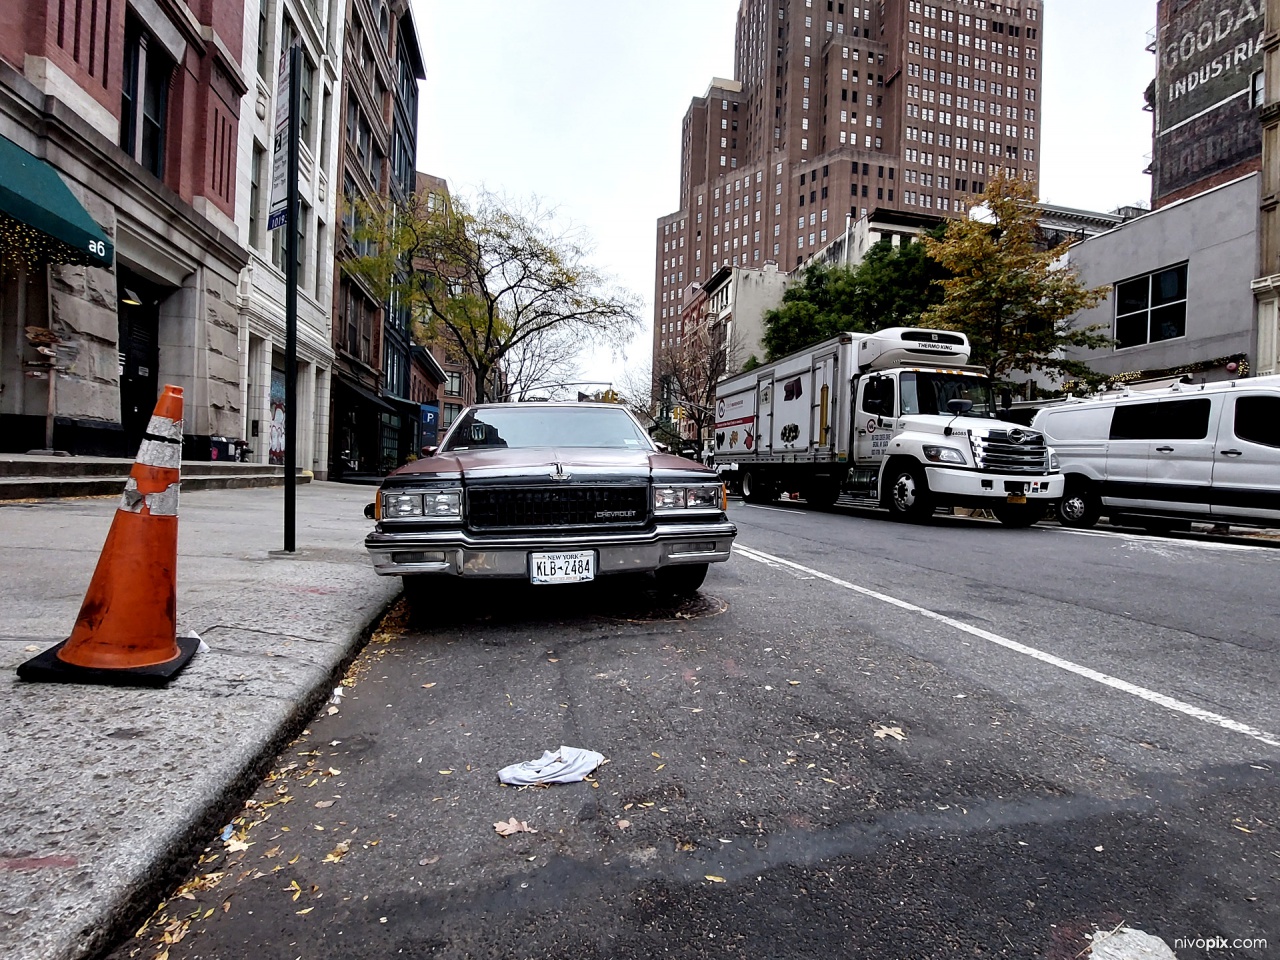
pixel 1000 452
pixel 562 506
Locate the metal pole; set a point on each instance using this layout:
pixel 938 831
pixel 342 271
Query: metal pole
pixel 291 307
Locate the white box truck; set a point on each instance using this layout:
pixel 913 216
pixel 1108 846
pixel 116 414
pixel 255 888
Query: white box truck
pixel 894 418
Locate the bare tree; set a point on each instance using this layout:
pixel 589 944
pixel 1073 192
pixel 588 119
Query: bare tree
pixel 541 365
pixel 499 276
pixel 687 375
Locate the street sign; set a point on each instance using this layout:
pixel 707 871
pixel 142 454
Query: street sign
pixel 280 147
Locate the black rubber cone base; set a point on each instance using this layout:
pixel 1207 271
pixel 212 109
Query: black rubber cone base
pixel 47 668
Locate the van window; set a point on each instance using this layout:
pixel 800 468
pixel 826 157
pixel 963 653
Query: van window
pixel 1162 420
pixel 1258 420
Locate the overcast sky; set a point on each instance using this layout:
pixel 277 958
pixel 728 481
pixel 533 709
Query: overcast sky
pixel 579 102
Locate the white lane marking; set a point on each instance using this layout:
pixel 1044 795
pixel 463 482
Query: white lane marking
pixel 760 506
pixel 1115 683
pixel 1136 538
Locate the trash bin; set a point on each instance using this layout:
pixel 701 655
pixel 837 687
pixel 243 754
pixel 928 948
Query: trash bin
pixel 220 448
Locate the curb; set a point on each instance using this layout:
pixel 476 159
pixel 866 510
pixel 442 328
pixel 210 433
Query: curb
pixel 127 907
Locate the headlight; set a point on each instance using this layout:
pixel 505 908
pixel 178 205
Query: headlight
pixel 707 496
pixel 944 455
pixel 430 505
pixel 443 505
pixel 401 505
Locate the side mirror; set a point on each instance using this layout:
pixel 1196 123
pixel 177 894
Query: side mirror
pixel 662 446
pixel 429 451
pixel 368 511
pixel 959 407
pixel 1006 398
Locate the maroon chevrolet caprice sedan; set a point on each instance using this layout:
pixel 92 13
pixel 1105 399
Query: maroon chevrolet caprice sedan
pixel 551 493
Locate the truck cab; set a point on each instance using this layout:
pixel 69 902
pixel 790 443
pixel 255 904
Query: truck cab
pixel 895 418
pixel 925 437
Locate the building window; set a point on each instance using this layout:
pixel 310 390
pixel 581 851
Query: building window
pixel 453 384
pixel 144 97
pixel 1151 308
pixel 255 196
pixel 450 413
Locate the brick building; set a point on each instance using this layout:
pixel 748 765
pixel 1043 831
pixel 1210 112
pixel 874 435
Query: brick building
pixel 370 403
pixel 119 123
pixel 838 107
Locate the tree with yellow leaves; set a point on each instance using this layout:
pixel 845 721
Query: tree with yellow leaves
pixel 1010 292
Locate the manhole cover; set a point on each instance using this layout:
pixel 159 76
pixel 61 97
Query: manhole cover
pixel 652 606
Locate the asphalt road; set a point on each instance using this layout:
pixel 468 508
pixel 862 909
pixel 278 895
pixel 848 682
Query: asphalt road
pixel 863 739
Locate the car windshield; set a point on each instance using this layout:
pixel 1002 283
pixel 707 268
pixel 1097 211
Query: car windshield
pixel 536 425
pixel 929 393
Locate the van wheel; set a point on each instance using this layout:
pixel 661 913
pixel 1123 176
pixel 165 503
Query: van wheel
pixel 1018 515
pixel 1079 507
pixel 907 493
pixel 755 490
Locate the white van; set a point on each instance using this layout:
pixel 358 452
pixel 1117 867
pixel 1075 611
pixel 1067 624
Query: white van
pixel 1206 452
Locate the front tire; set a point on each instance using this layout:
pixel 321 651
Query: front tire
pixel 1079 507
pixel 683 580
pixel 1019 515
pixel 907 493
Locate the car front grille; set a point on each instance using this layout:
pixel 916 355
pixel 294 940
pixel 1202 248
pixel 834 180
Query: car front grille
pixel 999 452
pixel 491 508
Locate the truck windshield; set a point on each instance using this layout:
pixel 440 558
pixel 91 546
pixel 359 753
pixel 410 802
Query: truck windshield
pixel 929 393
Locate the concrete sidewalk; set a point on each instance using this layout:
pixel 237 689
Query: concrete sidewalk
pixel 105 792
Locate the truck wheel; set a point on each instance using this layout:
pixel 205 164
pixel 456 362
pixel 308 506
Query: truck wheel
pixel 907 493
pixel 755 490
pixel 1079 507
pixel 683 580
pixel 1018 515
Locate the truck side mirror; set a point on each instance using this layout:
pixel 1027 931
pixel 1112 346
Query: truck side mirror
pixel 1006 398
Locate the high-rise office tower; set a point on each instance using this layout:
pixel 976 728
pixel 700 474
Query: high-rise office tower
pixel 839 107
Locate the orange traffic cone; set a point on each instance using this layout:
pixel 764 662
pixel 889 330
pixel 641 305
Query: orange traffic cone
pixel 126 631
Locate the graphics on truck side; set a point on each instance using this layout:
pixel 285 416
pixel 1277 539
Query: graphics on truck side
pixel 735 424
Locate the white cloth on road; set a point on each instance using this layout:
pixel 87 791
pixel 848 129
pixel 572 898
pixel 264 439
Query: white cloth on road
pixel 566 765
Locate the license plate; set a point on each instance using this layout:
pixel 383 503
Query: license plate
pixel 575 567
pixel 1016 498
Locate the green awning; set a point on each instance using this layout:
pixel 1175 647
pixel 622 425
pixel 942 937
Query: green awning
pixel 40 220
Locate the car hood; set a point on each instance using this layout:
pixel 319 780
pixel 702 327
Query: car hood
pixel 538 463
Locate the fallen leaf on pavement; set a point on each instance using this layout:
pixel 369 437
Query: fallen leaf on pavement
pixel 427 861
pixel 444 773
pixel 427 686
pixel 623 824
pixel 324 804
pixel 235 845
pixel 303 912
pixel 714 879
pixel 337 853
pixel 513 826
pixel 896 732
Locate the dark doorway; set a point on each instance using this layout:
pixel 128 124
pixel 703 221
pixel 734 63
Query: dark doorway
pixel 139 306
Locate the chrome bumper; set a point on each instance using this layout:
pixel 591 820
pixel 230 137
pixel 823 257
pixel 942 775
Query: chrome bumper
pixel 461 554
